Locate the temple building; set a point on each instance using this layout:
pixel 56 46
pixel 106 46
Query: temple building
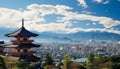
pixel 23 46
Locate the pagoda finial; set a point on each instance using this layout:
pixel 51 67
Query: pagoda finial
pixel 22 22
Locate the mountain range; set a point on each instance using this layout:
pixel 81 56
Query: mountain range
pixel 69 37
pixel 79 36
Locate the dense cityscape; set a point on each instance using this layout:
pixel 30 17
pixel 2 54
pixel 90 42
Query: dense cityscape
pixel 75 52
pixel 80 49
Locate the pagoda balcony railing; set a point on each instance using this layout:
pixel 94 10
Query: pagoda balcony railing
pixel 22 41
pixel 15 52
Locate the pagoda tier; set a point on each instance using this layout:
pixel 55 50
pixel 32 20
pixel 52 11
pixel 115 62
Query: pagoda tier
pixel 18 53
pixel 21 41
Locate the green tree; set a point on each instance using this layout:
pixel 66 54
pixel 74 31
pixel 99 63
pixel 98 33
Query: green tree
pixel 49 60
pixel 2 63
pixel 105 59
pixel 115 58
pixel 115 62
pixel 90 57
pixel 114 66
pixel 67 62
pixel 67 58
pixel 21 64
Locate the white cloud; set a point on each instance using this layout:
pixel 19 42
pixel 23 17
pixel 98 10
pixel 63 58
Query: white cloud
pixel 94 23
pixel 98 1
pixel 9 18
pixel 48 27
pixel 86 12
pixel 34 18
pixel 48 9
pixel 102 1
pixel 82 3
pixel 107 22
pixel 74 30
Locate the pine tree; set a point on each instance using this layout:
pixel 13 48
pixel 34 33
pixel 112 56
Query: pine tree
pixel 49 60
pixel 67 62
pixel 23 65
pixel 91 57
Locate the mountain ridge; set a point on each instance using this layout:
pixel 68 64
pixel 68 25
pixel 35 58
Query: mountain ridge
pixel 69 37
pixel 80 36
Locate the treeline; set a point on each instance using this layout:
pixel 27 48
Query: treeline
pixel 103 62
pixel 94 62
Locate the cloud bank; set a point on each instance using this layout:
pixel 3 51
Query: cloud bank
pixel 34 19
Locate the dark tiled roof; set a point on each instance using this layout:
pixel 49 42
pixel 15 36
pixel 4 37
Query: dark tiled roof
pixel 28 45
pixel 23 45
pixel 2 44
pixel 21 32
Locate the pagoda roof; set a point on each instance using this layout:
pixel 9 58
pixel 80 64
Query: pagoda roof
pixel 2 44
pixel 21 32
pixel 22 45
pixel 28 45
pixel 11 46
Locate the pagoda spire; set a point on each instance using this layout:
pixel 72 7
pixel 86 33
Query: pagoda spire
pixel 22 22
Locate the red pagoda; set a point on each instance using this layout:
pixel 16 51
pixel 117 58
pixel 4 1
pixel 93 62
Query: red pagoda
pixel 22 44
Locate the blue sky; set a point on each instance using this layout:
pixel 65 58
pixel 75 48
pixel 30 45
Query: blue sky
pixel 61 16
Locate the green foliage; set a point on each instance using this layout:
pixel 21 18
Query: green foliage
pixel 98 62
pixel 93 66
pixel 115 66
pixel 2 63
pixel 115 58
pixel 115 62
pixel 105 59
pixel 67 61
pixel 49 60
pixel 103 62
pixel 22 65
pixel 91 57
pixel 67 58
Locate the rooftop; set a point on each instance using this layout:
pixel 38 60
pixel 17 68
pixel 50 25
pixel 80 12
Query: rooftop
pixel 25 45
pixel 21 32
